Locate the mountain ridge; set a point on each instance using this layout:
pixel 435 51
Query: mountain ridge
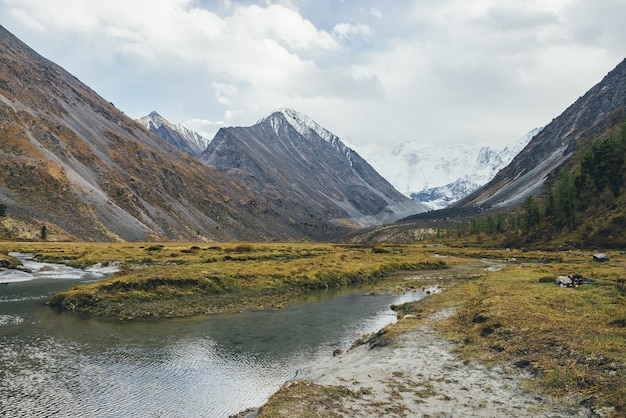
pixel 288 150
pixel 599 108
pixel 178 135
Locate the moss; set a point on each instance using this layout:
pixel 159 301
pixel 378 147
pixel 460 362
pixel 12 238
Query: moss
pixel 8 261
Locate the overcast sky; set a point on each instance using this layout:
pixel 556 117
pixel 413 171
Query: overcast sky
pixel 370 71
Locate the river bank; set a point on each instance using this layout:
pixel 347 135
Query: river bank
pixel 501 316
pixel 205 366
pixel 500 340
pixel 418 376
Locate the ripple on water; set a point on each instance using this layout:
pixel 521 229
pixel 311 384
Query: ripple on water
pixel 210 367
pixel 34 388
pixel 10 320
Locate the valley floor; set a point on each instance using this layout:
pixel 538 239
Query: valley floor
pixel 498 341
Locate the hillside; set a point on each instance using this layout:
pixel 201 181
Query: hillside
pixel 74 163
pixel 601 108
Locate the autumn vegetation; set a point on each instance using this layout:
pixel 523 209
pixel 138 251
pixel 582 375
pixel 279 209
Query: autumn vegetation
pixel 176 279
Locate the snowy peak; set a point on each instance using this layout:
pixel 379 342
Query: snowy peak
pixel 306 128
pixel 288 154
pixel 154 121
pixel 304 125
pixel 179 136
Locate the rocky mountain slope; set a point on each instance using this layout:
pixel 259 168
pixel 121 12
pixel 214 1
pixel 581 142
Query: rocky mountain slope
pixel 186 140
pixel 440 175
pixel 289 157
pixel 74 163
pixel 600 108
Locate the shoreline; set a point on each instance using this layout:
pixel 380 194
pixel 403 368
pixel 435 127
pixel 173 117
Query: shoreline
pixel 417 375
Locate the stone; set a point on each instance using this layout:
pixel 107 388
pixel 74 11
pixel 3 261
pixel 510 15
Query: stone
pixel 600 257
pixel 563 281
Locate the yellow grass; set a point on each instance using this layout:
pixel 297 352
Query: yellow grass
pixel 572 339
pixel 174 279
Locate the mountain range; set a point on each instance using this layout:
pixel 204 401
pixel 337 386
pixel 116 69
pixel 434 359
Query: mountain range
pixel 433 176
pixel 289 155
pixel 75 164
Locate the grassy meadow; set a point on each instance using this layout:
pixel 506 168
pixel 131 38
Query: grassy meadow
pixel 571 340
pixel 174 279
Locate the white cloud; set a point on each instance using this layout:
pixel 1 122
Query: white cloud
pixel 443 71
pixel 206 128
pixel 347 30
pixel 374 11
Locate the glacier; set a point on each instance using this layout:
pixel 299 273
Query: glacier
pixel 438 176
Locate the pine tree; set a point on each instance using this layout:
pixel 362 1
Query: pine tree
pixel 565 199
pixel 531 212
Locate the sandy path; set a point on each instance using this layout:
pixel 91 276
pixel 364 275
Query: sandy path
pixel 420 377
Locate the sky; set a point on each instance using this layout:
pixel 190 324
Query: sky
pixel 375 73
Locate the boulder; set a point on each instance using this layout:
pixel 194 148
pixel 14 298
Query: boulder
pixel 563 281
pixel 600 257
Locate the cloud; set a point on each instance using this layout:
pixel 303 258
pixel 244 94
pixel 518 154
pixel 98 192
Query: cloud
pixel 204 127
pixel 374 11
pixel 505 17
pixel 443 71
pixel 347 30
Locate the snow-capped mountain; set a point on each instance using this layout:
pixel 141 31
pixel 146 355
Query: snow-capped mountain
pixel 308 129
pixel 312 171
pixel 303 124
pixel 440 175
pixel 184 139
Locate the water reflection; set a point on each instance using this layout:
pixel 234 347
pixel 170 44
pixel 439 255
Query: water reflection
pixel 61 365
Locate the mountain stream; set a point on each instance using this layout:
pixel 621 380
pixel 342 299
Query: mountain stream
pixel 61 365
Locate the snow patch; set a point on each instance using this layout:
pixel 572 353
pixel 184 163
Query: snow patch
pixel 154 121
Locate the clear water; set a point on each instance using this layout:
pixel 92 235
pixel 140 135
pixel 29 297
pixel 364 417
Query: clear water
pixel 61 365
